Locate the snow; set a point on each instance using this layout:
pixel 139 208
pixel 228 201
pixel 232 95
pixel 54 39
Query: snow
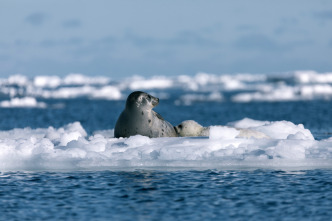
pixel 276 129
pixel 217 132
pixel 70 148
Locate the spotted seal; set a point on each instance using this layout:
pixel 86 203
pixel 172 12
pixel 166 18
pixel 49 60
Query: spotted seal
pixel 191 128
pixel 139 118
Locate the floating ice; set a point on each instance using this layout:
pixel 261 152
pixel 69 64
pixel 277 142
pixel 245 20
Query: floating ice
pixel 18 80
pixel 296 86
pixel 105 92
pixel 29 102
pixel 69 148
pixel 306 77
pixel 47 81
pixel 287 93
pixel 71 79
pixel 276 129
pixel 188 99
pixel 79 79
pixel 155 82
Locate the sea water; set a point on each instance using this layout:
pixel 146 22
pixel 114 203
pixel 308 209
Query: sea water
pixel 167 195
pixel 60 160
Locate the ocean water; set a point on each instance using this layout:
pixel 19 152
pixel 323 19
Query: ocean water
pixel 167 195
pixel 60 160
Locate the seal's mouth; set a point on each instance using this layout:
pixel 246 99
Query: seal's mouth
pixel 155 101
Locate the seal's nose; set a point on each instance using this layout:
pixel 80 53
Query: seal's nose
pixel 155 101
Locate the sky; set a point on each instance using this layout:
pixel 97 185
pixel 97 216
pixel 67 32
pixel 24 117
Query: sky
pixel 152 37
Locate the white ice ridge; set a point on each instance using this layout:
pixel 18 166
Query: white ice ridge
pixel 202 87
pixel 69 148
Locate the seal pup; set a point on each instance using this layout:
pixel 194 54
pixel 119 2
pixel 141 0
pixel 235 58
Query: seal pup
pixel 139 118
pixel 190 128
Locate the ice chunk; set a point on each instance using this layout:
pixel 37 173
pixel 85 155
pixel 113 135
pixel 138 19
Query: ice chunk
pixel 18 79
pixel 277 129
pixel 80 79
pixel 29 102
pixel 188 99
pixel 306 77
pixel 154 82
pixel 107 92
pixel 248 123
pixel 47 81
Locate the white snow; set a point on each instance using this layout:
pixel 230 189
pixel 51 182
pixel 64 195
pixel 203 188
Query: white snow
pixel 69 148
pixel 217 132
pixel 276 129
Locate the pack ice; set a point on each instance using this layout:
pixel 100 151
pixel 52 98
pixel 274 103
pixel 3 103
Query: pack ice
pixel 289 146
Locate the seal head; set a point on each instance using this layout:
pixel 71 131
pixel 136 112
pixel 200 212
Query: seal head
pixel 139 118
pixel 190 128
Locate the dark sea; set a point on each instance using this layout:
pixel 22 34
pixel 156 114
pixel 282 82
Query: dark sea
pixel 46 173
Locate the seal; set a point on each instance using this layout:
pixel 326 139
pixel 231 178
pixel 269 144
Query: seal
pixel 139 118
pixel 191 128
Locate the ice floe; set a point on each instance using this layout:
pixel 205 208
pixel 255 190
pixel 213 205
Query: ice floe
pixel 70 148
pixel 29 102
pixel 202 87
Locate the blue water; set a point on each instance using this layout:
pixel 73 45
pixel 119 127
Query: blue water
pixel 167 195
pixel 101 115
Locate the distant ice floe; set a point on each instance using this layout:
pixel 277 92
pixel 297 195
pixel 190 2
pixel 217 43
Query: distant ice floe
pixel 69 148
pixel 29 102
pixel 71 79
pixel 105 92
pixel 188 99
pixel 287 93
pixel 309 77
pixel 156 82
pixel 202 87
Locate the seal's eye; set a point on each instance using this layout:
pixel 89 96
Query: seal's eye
pixel 149 98
pixel 180 126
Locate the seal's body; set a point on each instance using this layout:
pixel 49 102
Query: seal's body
pixel 139 118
